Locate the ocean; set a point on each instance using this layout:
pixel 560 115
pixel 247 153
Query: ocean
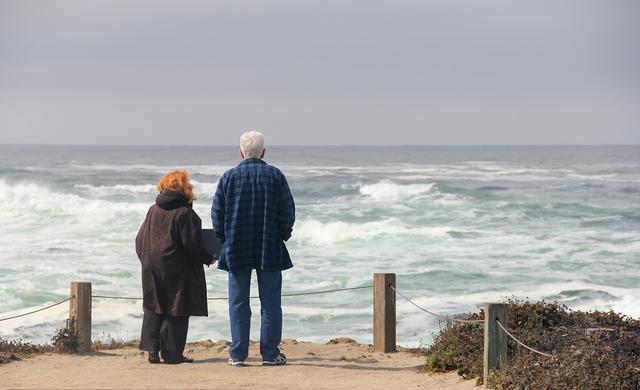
pixel 460 226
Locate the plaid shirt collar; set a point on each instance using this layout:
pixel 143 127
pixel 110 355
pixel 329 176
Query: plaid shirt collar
pixel 252 160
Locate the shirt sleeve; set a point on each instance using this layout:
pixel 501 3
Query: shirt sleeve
pixel 217 210
pixel 287 210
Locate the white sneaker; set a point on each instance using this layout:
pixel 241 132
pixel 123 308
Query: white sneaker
pixel 234 363
pixel 280 360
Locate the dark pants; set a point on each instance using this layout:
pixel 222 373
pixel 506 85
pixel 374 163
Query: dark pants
pixel 270 288
pixel 165 334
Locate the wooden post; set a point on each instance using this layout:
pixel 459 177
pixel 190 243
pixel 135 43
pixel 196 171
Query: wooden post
pixel 80 313
pixel 384 313
pixel 495 340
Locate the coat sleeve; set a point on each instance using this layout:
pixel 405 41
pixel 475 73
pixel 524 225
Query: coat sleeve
pixel 140 236
pixel 286 210
pixel 190 230
pixel 217 210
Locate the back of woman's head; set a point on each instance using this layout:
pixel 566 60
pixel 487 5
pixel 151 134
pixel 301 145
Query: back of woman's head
pixel 177 181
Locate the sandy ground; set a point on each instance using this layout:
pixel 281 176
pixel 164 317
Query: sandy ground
pixel 341 365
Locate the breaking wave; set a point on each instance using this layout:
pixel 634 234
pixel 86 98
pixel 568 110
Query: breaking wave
pixel 327 233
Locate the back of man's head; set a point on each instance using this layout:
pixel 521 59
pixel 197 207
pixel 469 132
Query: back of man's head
pixel 252 144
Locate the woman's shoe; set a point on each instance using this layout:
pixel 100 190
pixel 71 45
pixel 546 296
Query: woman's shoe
pixel 154 357
pixel 179 360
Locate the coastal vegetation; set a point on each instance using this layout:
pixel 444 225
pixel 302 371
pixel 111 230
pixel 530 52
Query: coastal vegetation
pixel 17 349
pixel 591 350
pixel 65 340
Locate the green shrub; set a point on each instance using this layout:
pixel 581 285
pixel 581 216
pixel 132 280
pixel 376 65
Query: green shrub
pixel 457 347
pixel 66 339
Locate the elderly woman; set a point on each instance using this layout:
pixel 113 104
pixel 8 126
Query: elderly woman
pixel 173 284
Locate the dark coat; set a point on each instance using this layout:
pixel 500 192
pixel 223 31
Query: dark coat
pixel 169 248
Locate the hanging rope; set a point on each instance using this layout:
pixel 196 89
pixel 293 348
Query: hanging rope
pixel 36 311
pixel 521 343
pixel 451 319
pixel 252 297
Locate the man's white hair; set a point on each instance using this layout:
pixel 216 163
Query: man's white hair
pixel 252 144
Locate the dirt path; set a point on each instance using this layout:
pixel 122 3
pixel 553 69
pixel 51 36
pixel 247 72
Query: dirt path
pixel 311 366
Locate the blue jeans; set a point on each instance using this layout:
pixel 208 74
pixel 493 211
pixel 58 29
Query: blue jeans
pixel 270 288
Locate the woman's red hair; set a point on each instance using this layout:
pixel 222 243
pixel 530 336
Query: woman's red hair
pixel 177 181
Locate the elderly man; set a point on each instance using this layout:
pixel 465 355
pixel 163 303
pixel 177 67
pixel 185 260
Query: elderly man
pixel 253 214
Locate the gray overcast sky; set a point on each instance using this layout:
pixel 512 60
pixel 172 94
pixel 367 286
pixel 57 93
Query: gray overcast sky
pixel 320 72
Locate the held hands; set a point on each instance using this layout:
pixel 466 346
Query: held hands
pixel 212 261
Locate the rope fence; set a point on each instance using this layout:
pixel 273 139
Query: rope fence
pixel 208 299
pixel 442 317
pixel 384 318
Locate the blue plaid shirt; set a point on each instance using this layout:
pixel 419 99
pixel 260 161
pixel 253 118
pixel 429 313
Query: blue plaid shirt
pixel 253 214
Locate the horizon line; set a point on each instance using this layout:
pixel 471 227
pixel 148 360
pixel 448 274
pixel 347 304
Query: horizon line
pixel 309 145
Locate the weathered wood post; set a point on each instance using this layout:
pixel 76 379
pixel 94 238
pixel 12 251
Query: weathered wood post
pixel 384 313
pixel 495 340
pixel 80 313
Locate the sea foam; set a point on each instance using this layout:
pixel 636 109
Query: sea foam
pixel 389 191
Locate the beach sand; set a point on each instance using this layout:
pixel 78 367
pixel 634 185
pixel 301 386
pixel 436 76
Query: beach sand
pixel 337 365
